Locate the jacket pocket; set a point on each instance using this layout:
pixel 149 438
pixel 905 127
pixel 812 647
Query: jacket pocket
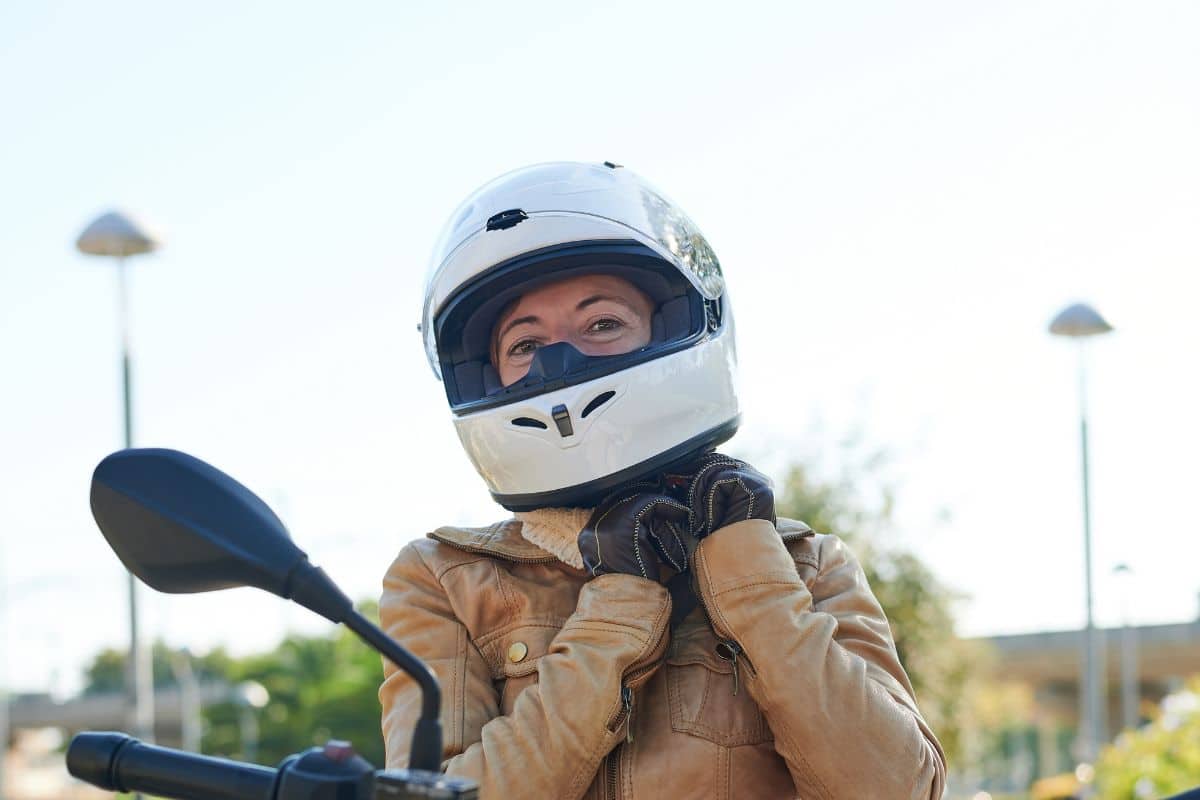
pixel 515 655
pixel 700 690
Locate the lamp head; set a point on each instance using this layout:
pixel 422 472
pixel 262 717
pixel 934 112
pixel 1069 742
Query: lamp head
pixel 118 234
pixel 1078 321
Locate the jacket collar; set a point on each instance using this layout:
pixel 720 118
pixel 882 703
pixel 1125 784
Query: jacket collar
pixel 504 540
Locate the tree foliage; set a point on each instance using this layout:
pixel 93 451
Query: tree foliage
pixel 941 666
pixel 1159 759
pixel 319 688
pixel 106 673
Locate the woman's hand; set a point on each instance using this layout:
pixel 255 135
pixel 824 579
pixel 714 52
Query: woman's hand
pixel 723 490
pixel 635 532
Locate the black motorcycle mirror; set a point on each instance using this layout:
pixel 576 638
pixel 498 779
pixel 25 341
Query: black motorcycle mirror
pixel 181 525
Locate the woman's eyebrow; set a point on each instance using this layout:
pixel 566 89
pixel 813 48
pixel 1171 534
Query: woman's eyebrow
pixel 515 322
pixel 597 298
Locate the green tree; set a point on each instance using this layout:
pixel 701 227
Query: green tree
pixel 320 688
pixel 106 672
pixel 1159 759
pixel 943 668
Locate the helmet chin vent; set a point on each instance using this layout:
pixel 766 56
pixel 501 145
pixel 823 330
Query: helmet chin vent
pixel 529 422
pixel 596 402
pixel 562 418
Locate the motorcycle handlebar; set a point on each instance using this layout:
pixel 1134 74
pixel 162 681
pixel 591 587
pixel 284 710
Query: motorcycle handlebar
pixel 121 763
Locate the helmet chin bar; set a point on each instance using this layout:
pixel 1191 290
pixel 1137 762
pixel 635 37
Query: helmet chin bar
pixel 587 495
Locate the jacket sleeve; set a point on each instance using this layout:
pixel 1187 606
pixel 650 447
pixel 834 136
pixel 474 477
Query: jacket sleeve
pixel 821 665
pixel 560 727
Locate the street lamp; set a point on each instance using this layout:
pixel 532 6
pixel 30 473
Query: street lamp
pixel 1129 653
pixel 3 688
pixel 250 697
pixel 191 722
pixel 1078 322
pixel 117 235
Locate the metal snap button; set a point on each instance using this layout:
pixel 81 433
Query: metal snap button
pixel 517 652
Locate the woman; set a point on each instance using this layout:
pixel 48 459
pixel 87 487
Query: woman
pixel 644 626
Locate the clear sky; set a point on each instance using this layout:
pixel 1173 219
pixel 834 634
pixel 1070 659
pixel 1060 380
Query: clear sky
pixel 902 196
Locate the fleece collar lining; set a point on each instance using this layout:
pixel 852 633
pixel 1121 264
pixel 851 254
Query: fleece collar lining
pixel 555 530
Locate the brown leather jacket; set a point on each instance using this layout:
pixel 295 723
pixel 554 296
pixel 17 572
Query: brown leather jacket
pixel 558 686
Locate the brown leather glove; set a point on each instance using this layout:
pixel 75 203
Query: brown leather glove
pixel 635 530
pixel 723 490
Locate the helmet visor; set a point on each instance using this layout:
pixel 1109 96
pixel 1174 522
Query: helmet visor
pixel 465 329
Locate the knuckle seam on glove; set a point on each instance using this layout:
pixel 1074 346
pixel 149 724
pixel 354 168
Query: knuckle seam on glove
pixel 637 545
pixel 711 522
pixel 666 553
pixel 596 528
pixel 718 460
pixel 679 542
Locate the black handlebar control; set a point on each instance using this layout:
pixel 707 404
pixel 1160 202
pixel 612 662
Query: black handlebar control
pixel 120 763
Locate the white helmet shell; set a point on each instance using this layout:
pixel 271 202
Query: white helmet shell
pixel 568 433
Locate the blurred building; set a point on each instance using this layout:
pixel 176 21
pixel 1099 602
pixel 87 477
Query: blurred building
pixel 1047 665
pixel 35 766
pixel 108 711
pixel 34 769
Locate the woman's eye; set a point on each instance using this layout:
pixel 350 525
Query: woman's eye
pixel 605 324
pixel 522 348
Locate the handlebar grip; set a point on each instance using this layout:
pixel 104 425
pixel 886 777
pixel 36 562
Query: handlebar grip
pixel 120 763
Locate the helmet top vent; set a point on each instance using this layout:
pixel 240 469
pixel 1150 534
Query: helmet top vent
pixel 506 219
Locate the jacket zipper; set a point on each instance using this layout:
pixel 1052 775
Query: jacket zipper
pixel 612 778
pixel 629 681
pixel 625 715
pixel 627 704
pixel 612 762
pixel 729 650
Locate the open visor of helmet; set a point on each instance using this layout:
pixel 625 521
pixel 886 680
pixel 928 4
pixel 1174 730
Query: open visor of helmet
pixel 464 325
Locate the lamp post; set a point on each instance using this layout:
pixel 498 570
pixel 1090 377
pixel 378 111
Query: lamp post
pixel 250 697
pixel 3 687
pixel 1129 654
pixel 1078 322
pixel 116 235
pixel 191 722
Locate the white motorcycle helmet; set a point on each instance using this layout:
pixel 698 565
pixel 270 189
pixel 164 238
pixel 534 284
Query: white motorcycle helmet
pixel 575 427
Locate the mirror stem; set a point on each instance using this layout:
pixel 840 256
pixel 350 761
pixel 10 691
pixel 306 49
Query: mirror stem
pixel 312 588
pixel 427 738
